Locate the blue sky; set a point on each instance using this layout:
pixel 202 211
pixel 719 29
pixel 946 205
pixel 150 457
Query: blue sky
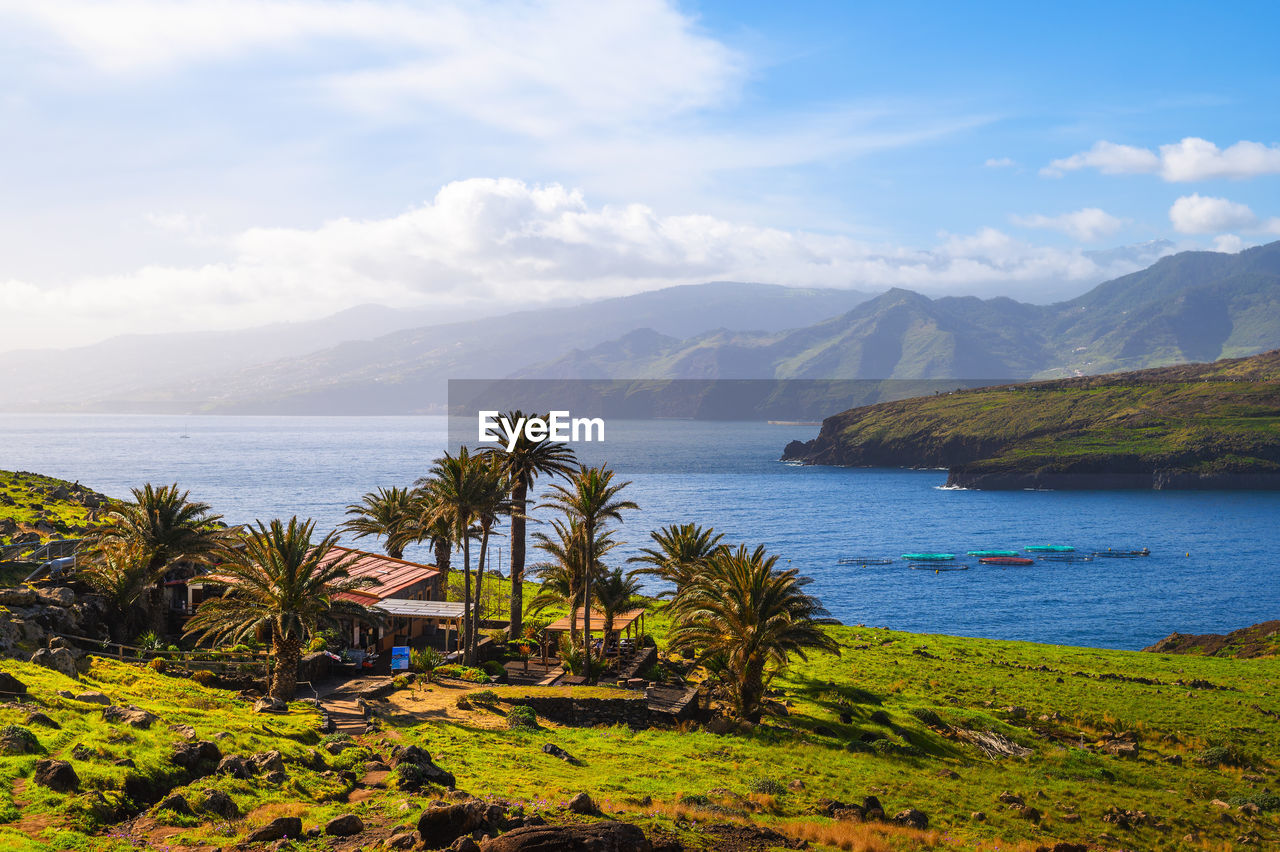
pixel 224 163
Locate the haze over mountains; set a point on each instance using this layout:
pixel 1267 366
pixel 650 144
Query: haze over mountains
pixel 1193 306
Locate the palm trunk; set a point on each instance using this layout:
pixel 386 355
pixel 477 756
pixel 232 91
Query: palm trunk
pixel 586 600
pixel 484 553
pixel 751 692
pixel 444 552
pixel 284 679
pixel 519 502
pixel 466 600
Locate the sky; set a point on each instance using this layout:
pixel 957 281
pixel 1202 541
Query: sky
pixel 173 165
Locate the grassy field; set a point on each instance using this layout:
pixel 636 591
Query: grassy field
pixel 51 507
pixel 1184 740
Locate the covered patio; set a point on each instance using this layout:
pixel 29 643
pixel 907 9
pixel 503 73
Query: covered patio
pixel 446 615
pixel 629 626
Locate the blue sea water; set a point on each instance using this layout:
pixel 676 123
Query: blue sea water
pixel 1213 554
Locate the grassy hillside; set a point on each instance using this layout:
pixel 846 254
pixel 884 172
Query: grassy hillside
pixel 44 506
pixel 1197 421
pixel 1258 640
pixel 1118 749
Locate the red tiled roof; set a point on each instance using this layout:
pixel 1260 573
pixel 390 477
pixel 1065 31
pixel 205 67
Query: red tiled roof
pixel 391 575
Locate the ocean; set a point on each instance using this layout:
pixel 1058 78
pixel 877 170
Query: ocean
pixel 1212 566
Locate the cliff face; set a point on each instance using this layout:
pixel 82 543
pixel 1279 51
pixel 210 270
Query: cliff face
pixel 1201 426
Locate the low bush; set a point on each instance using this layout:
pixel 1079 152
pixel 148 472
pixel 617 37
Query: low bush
pixel 484 697
pixel 204 677
pixel 158 665
pixel 467 673
pixel 1264 801
pixel 1222 756
pixel 317 644
pixel 768 786
pixel 522 717
pixel 494 668
pixel 426 661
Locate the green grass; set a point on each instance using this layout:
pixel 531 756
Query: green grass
pixel 27 498
pixel 909 693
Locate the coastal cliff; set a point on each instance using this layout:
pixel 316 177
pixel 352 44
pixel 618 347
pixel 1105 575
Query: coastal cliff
pixel 1194 426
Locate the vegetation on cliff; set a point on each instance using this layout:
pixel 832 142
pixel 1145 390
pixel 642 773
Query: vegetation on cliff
pixel 1259 640
pixel 1167 427
pixel 35 507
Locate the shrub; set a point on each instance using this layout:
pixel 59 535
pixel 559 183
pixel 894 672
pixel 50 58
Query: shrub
pixel 157 665
pixel 15 739
pixel 467 673
pixel 522 717
pixel 494 668
pixel 768 786
pixel 401 681
pixel 426 661
pixel 880 718
pixel 484 697
pixel 1265 801
pixel 317 644
pixel 351 758
pixel 927 716
pixel 1222 756
pixel 149 641
pixel 463 702
pixel 204 677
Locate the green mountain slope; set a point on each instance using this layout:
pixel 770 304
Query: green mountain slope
pixel 1194 306
pixel 1193 426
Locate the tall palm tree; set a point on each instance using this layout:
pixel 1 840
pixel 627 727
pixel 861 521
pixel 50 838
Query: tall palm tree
pixel 681 554
pixel 167 527
pixel 522 464
pixel 166 524
pixel 563 574
pixel 455 491
pixel 387 513
pixel 592 498
pixel 615 594
pixel 492 502
pixel 428 525
pixel 748 617
pixel 279 579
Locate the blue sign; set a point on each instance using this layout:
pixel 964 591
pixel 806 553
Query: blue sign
pixel 399 658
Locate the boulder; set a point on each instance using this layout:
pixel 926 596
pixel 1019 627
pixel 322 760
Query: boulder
pixel 270 705
pixel 235 766
pixel 57 775
pixel 192 755
pixel 441 825
pixel 464 844
pixel 10 685
pixel 218 802
pixel 596 837
pixel 44 721
pixel 185 730
pixel 278 829
pixel 344 826
pixel 93 698
pixel 18 740
pixel 134 717
pixel 58 659
pixel 404 840
pixel 175 802
pixel 267 761
pixel 555 751
pixel 582 804
pixel 912 818
pixel 426 770
pixel 60 596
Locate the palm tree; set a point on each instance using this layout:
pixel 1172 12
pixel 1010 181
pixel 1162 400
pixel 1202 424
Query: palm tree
pixel 166 527
pixel 491 502
pixel 387 513
pixel 455 492
pixel 563 574
pixel 592 499
pixel 747 616
pixel 523 464
pixel 121 572
pixel 279 579
pixel 428 525
pixel 681 554
pixel 615 594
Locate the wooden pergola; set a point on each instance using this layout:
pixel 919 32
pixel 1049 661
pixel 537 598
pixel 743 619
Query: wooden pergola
pixel 448 614
pixel 625 624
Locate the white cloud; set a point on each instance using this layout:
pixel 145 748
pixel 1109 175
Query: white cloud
pixel 1228 243
pixel 532 68
pixel 1000 163
pixel 1199 214
pixel 1087 225
pixel 1108 158
pixel 1192 159
pixel 503 242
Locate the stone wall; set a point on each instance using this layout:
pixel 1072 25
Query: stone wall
pixel 589 712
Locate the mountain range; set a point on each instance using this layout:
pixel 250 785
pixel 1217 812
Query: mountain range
pixel 1192 306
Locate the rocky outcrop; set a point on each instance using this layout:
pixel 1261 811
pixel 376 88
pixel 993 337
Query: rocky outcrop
pixel 277 829
pixel 57 775
pixel 595 837
pixel 444 823
pixel 1259 640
